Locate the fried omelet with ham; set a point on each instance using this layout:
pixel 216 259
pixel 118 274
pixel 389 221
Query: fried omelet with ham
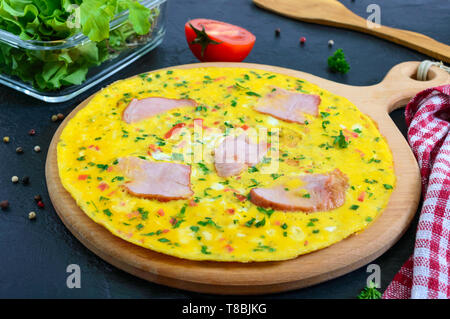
pixel 225 164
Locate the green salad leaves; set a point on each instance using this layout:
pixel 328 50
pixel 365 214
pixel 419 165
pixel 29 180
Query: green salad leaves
pixel 52 20
pixel 96 15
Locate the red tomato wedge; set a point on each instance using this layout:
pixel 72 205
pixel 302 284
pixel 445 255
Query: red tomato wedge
pixel 216 41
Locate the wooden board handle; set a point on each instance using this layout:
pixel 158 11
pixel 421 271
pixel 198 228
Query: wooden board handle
pixel 409 39
pixel 334 13
pixel 413 40
pixel 400 84
pixel 397 88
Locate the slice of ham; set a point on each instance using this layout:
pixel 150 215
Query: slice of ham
pixel 161 181
pixel 139 110
pixel 234 154
pixel 326 192
pixel 288 106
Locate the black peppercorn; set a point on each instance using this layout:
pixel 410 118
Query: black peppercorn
pixel 4 204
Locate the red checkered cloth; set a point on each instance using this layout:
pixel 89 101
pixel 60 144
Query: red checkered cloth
pixel 426 274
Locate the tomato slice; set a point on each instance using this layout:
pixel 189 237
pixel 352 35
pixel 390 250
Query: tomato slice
pixel 215 41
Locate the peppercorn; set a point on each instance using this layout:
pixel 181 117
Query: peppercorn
pixel 60 116
pixel 32 215
pixel 25 180
pixel 40 204
pixel 37 148
pixel 330 43
pixel 14 179
pixel 4 204
pixel 6 139
pixel 37 198
pixel 54 118
pixel 277 32
pixel 19 150
pixel 302 40
pixel 31 132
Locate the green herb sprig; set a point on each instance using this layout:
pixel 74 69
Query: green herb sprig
pixel 338 63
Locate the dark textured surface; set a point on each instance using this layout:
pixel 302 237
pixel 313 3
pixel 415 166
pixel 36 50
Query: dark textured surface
pixel 34 254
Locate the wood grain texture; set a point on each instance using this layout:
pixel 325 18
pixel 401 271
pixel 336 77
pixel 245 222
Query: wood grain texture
pixel 334 13
pixel 268 277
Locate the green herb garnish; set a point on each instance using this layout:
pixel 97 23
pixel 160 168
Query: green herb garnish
pixel 338 63
pixel 370 292
pixel 340 140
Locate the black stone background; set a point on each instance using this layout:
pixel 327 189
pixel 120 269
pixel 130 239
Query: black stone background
pixel 34 254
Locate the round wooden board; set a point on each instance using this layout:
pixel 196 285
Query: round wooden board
pixel 269 277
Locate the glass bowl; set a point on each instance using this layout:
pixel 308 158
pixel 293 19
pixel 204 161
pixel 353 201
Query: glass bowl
pixel 99 60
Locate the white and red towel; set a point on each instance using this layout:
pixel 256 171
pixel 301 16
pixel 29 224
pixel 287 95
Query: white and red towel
pixel 426 274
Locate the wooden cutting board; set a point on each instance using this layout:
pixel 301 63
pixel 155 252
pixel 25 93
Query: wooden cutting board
pixel 267 277
pixel 334 13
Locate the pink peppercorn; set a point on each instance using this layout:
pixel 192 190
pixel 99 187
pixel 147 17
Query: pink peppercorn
pixel 40 204
pixel 302 40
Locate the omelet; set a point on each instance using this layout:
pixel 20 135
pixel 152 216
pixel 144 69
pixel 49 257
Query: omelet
pixel 141 159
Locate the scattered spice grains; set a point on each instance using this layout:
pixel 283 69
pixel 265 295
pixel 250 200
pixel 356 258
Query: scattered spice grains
pixel 25 180
pixel 302 40
pixel 14 179
pixel 57 117
pixel 37 148
pixel 37 198
pixel 277 32
pixel 31 132
pixel 32 215
pixel 4 204
pixel 19 150
pixel 6 139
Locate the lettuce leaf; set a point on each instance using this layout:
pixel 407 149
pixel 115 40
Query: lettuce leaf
pixel 49 20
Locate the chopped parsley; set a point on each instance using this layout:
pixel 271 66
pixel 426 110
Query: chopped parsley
pixel 261 247
pixel 340 140
pixel 261 223
pixel 250 222
pixel 268 212
pixel 208 221
pixel 204 169
pixel 253 169
pixel 103 167
pixel 205 250
pixel 144 213
pixel 107 212
pixel 195 228
pixel 250 93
